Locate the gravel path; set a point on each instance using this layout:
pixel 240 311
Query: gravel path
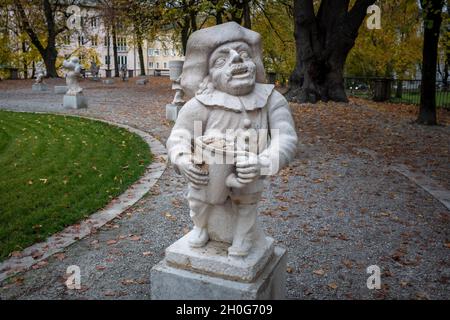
pixel 338 210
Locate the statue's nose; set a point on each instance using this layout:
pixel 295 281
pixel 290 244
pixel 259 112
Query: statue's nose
pixel 235 56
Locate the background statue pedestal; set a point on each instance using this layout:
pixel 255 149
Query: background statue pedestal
pixel 61 89
pixel 172 111
pixel 218 276
pixel 77 101
pixel 141 81
pixel 39 87
pixel 108 81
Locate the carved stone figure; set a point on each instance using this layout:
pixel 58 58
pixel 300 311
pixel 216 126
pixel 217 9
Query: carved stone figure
pixel 241 130
pixel 94 69
pixel 123 72
pixel 40 72
pixel 73 74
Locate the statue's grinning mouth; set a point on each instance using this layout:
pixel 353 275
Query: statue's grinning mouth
pixel 239 70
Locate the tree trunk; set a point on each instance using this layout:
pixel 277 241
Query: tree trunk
pixel 185 33
pixel 116 57
pixel 246 14
pixel 432 25
pixel 323 42
pixel 399 92
pixel 141 54
pixel 24 61
pixel 49 57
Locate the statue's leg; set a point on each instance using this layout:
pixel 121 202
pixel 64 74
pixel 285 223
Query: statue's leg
pixel 245 206
pixel 199 212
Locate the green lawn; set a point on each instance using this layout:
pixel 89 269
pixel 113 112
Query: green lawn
pixel 56 170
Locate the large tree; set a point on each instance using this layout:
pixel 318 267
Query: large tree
pixel 432 19
pixel 323 41
pixel 43 21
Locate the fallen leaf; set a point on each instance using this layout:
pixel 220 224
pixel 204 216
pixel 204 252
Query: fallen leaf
pixel 135 238
pixel 110 242
pixel 319 272
pixel 60 256
pixel 332 285
pixel 110 293
pixel 36 254
pixel 100 268
pixel 146 253
pixel 289 270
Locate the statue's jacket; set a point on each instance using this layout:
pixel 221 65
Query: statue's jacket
pixel 218 111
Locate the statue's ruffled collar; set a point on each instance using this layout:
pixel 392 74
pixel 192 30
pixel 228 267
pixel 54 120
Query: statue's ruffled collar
pixel 255 100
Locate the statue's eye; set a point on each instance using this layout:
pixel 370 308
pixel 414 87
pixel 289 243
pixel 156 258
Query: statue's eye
pixel 244 54
pixel 219 62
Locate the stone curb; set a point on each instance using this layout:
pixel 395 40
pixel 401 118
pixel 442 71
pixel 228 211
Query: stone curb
pixel 59 241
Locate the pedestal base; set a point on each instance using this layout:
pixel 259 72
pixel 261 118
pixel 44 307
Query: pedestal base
pixel 141 81
pixel 75 102
pixel 172 111
pixel 169 283
pixel 108 81
pixel 39 87
pixel 61 89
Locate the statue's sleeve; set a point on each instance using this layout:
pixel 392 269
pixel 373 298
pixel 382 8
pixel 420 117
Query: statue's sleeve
pixel 283 136
pixel 180 142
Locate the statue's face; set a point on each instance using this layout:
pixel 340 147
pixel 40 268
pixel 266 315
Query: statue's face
pixel 231 68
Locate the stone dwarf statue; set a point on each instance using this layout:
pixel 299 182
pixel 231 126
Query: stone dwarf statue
pixel 40 72
pixel 224 73
pixel 123 72
pixel 94 69
pixel 73 74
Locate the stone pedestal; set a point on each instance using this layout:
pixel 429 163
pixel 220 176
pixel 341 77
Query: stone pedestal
pixel 77 101
pixel 60 89
pixel 108 81
pixel 39 87
pixel 172 111
pixel 141 81
pixel 170 281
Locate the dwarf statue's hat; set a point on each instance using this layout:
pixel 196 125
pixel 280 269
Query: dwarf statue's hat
pixel 203 42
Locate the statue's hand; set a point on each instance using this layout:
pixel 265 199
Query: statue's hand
pixel 248 168
pixel 194 174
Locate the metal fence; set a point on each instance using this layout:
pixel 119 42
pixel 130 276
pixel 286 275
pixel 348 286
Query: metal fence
pixel 393 90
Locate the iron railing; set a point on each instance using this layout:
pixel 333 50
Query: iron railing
pixel 394 90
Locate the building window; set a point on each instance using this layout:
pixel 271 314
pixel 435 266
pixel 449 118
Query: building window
pixel 121 43
pixel 165 65
pixel 80 40
pixel 150 65
pixel 157 65
pixel 107 59
pixel 66 39
pixel 107 41
pixel 172 52
pixel 165 52
pixel 151 52
pixel 156 52
pixel 93 22
pixel 123 60
pixel 94 41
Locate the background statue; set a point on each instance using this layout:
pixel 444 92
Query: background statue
pixel 40 72
pixel 73 74
pixel 94 69
pixel 123 72
pixel 224 73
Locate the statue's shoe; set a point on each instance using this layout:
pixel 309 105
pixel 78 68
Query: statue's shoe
pixel 199 237
pixel 240 250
